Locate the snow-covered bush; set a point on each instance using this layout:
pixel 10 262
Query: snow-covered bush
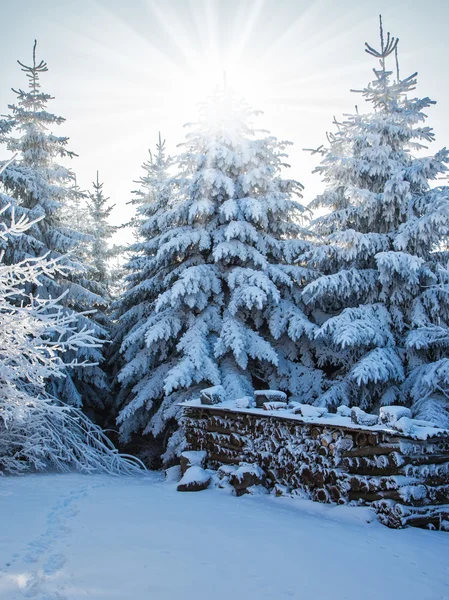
pixel 35 430
pixel 381 295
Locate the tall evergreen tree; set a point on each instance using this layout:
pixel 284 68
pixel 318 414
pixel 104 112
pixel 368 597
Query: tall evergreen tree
pixel 147 198
pixel 135 306
pixel 381 297
pixel 216 268
pixel 41 188
pixel 100 250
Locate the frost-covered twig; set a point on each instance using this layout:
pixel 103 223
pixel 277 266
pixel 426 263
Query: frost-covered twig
pixel 36 432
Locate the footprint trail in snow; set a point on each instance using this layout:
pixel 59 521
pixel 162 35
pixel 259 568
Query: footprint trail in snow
pixel 43 558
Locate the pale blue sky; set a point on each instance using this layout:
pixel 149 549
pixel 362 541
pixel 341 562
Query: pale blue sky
pixel 122 71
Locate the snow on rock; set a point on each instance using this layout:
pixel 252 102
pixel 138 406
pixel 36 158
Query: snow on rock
pixel 192 458
pixel 360 417
pixel 390 414
pixel 195 479
pixel 262 396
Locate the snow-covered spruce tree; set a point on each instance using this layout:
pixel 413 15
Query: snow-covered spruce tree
pixel 214 301
pixel 152 199
pixel 100 250
pixel 148 198
pixel 143 283
pixel 41 188
pixel 382 298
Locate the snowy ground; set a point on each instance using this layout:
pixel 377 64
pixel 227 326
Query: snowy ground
pixel 69 537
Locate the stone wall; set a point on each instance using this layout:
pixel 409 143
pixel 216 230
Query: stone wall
pixel 406 479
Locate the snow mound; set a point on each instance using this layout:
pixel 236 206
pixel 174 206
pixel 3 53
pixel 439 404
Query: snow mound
pixel 391 414
pixel 173 474
pixel 310 412
pixel 344 411
pixel 360 417
pixel 415 427
pixel 213 395
pixel 274 405
pixel 245 402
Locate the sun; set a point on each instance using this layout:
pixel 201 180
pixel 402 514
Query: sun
pixel 147 70
pixel 211 54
